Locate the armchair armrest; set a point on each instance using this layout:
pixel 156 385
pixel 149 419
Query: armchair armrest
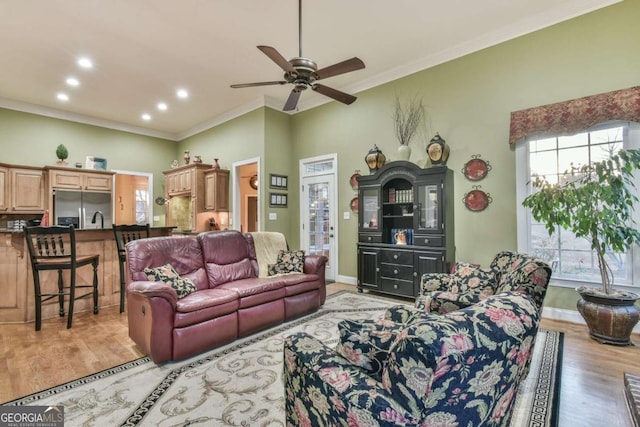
pixel 322 388
pixel 436 282
pixel 147 289
pixel 313 264
pixel 444 302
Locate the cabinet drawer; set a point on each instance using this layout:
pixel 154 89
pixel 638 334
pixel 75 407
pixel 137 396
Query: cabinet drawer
pixel 394 271
pixel 428 240
pixel 370 237
pixel 399 287
pixel 397 257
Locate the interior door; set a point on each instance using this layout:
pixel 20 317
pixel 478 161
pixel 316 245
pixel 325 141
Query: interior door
pixel 319 219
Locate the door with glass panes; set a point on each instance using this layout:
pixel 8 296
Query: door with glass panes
pixel 318 219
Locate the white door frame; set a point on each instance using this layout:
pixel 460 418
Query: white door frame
pixel 235 191
pixel 333 206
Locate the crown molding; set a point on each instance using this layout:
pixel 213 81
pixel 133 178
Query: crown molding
pixel 509 32
pixel 80 118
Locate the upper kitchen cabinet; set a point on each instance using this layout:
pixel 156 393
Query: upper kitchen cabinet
pixel 4 189
pixel 26 190
pixel 216 183
pixel 186 180
pixel 73 179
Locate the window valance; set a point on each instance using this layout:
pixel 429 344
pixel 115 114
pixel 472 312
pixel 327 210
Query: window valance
pixel 577 114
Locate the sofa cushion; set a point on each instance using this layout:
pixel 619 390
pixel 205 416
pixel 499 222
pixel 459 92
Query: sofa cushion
pixel 228 256
pixel 204 305
pixel 183 253
pixel 287 262
pixel 168 275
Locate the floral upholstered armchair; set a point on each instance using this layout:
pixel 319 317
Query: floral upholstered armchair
pixel 415 369
pixel 469 284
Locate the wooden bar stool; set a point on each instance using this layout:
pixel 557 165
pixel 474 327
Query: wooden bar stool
pixel 54 248
pixel 125 234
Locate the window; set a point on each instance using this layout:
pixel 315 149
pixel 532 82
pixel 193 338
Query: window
pixel 570 258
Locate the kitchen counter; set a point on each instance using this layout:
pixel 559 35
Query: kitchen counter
pixel 16 282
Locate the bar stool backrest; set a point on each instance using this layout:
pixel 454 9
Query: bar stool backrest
pixel 50 242
pixel 127 233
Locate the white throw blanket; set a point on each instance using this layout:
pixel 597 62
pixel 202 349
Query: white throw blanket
pixel 267 245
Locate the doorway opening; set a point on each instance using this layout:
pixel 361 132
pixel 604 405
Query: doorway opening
pixel 246 195
pixel 132 197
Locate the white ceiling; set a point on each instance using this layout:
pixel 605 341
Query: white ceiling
pixel 144 49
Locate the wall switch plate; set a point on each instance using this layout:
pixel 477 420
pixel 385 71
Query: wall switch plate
pixel 346 215
pixel 156 218
pixel 273 216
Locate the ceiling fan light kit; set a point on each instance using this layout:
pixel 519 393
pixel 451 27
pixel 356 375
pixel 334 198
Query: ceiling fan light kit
pixel 303 73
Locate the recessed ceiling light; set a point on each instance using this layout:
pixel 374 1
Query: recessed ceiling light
pixel 85 63
pixel 62 96
pixel 182 93
pixel 146 117
pixel 72 81
pixel 162 106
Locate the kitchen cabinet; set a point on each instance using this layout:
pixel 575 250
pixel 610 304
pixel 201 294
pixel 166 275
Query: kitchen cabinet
pixel 216 184
pixel 185 187
pixel 4 189
pixel 71 179
pixel 404 199
pixel 27 190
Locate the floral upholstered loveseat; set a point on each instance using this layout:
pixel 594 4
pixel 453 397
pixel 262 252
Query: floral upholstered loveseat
pixel 413 368
pixel 469 284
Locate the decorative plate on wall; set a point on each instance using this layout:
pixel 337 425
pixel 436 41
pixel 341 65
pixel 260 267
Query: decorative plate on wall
pixel 476 168
pixel 477 200
pixel 354 180
pixel 354 204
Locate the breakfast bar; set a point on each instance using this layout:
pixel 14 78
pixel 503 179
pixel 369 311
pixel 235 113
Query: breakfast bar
pixel 16 282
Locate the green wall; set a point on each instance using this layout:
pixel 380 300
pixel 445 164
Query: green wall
pixel 468 100
pixel 31 140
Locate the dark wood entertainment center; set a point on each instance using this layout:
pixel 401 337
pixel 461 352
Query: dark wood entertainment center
pixel 399 197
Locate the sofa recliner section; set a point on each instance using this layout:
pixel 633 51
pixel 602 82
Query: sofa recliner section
pixel 230 300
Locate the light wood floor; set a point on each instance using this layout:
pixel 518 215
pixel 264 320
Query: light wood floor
pixel 591 387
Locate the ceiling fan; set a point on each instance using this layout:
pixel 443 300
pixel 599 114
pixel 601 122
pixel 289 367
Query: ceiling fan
pixel 303 73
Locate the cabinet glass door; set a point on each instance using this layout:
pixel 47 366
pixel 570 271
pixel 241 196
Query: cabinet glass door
pixel 429 208
pixel 370 208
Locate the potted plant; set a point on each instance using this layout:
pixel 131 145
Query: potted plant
pixel 406 119
pixel 62 153
pixel 596 202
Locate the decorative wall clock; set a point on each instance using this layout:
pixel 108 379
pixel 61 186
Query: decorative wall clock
pixel 476 168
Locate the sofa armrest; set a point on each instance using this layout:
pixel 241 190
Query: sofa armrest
pixel 148 289
pixel 323 388
pixel 313 264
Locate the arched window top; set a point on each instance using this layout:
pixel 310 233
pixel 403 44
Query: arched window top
pixel 576 115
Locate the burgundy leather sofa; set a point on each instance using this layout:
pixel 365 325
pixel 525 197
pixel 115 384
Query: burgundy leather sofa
pixel 231 301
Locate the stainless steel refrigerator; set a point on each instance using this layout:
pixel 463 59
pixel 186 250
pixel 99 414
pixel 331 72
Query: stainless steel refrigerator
pixel 83 209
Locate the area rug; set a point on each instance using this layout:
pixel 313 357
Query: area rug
pixel 240 384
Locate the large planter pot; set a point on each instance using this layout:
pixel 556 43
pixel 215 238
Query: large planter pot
pixel 610 318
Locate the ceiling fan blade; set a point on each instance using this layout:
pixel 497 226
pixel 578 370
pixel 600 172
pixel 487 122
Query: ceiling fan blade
pixel 345 98
pixel 340 68
pixel 292 101
pixel 277 58
pixel 241 85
